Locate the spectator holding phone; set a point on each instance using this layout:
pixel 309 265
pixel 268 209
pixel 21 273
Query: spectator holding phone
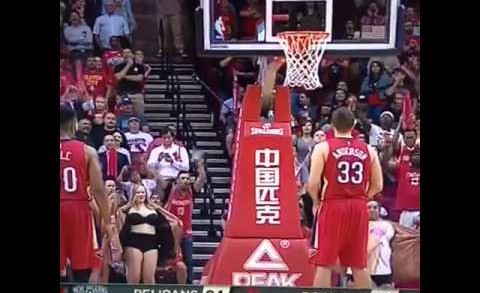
pixel 168 159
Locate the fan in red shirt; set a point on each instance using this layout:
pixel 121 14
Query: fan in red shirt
pixel 406 150
pixel 94 79
pixel 407 200
pixel 66 77
pixel 349 173
pixel 110 59
pixel 79 169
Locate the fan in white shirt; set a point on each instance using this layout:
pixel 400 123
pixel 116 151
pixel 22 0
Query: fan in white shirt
pixel 137 140
pixel 386 129
pixel 168 159
pixel 381 233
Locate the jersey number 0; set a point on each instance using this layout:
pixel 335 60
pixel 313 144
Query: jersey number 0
pixel 69 179
pixel 350 172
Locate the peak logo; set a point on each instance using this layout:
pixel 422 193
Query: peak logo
pixel 275 262
pixel 265 258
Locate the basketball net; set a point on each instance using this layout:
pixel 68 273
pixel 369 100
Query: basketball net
pixel 303 51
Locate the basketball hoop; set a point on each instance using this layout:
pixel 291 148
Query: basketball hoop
pixel 304 51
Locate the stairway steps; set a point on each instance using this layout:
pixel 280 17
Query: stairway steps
pixel 218 205
pixel 152 78
pixel 185 66
pixel 215 212
pixel 181 86
pixel 197 244
pixel 219 201
pixel 210 143
pixel 215 160
pixel 205 134
pixel 184 83
pixel 184 91
pixel 203 222
pixel 191 108
pixel 161 110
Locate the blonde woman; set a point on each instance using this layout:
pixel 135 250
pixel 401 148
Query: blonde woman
pixel 139 237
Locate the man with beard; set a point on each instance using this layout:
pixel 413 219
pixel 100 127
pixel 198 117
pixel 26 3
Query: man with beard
pixel 83 132
pixel 107 128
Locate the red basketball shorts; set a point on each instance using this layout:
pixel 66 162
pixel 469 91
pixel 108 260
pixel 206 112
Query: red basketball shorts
pixel 77 236
pixel 340 231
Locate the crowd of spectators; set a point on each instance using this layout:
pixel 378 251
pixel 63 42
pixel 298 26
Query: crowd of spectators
pixel 384 94
pixel 102 79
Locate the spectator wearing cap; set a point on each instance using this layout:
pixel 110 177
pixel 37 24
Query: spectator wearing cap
pixel 111 160
pixel 126 112
pixel 130 76
pixel 137 140
pixel 387 124
pixel 108 127
pixel 373 87
pixel 108 25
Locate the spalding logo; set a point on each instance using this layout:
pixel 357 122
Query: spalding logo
pixel 266 130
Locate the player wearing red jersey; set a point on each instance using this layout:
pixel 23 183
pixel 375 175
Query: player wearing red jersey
pixel 180 204
pixel 79 169
pixel 351 174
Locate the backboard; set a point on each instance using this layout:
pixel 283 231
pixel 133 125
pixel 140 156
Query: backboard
pixel 249 27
